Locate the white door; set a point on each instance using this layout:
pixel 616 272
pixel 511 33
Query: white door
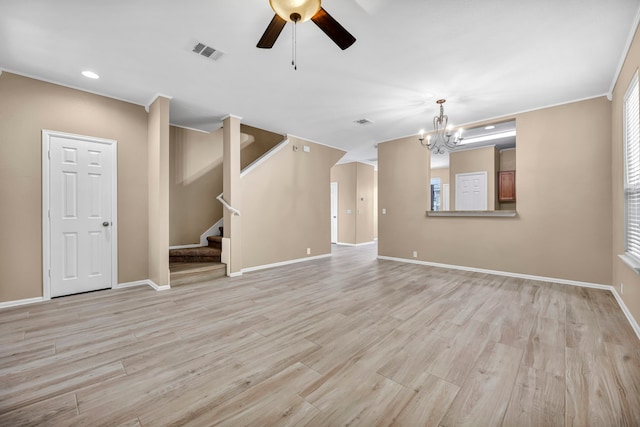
pixel 471 191
pixel 80 194
pixel 334 212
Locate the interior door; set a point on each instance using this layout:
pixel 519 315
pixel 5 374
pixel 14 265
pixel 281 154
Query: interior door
pixel 471 191
pixel 334 212
pixel 81 235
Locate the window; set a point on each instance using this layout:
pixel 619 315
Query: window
pixel 435 194
pixel 631 137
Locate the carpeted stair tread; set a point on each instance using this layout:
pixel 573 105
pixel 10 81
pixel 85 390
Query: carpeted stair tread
pixel 215 241
pixel 195 252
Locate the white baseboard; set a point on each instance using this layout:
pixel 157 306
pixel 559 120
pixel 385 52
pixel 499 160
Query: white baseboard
pixel 146 282
pixel 280 264
pixel 356 244
pixel 625 310
pixel 16 303
pixel 627 313
pixel 194 245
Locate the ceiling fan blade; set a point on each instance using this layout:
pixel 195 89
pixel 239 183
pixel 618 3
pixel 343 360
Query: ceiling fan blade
pixel 333 29
pixel 272 32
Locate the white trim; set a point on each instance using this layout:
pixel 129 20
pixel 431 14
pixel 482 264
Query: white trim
pixel 236 274
pixel 81 89
pixel 625 53
pixel 356 244
pixel 46 243
pixel 280 264
pixel 8 304
pixel 625 310
pixel 319 143
pixel 175 125
pixel 146 282
pixel 147 106
pixel 500 273
pixel 494 214
pixel 627 313
pixel 260 160
pixel 510 116
pixel 194 245
pixel 211 231
pixel 631 262
pixel 230 116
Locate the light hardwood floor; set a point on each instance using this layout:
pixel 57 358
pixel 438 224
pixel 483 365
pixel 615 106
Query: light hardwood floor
pixel 347 340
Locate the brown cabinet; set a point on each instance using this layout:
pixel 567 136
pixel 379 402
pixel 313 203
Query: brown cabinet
pixel 507 186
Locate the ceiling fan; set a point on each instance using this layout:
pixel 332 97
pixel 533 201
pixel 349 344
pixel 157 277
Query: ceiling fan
pixel 300 11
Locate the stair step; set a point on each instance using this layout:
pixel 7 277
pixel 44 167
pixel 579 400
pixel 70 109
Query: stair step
pixel 183 273
pixel 215 241
pixel 199 254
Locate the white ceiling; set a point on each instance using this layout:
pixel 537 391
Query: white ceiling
pixel 487 58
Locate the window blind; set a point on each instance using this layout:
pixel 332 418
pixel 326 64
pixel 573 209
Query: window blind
pixel 632 168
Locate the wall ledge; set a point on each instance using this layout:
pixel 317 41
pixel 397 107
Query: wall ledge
pixel 481 214
pixel 632 321
pixel 631 262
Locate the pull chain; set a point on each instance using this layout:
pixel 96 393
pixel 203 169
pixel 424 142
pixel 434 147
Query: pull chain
pixel 294 59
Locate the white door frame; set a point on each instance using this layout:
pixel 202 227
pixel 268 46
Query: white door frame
pixel 334 209
pixel 46 237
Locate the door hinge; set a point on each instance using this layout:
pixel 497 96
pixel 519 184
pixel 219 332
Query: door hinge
pixel 49 274
pixel 49 154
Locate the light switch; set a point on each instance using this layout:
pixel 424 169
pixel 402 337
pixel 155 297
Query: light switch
pixel 306 148
pixel 384 211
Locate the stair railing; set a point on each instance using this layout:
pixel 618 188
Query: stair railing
pixel 233 210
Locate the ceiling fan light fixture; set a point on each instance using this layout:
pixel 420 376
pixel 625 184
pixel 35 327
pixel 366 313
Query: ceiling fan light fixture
pixel 295 10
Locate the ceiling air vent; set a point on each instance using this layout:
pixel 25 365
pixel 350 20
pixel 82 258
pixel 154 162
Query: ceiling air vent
pixel 363 122
pixel 207 51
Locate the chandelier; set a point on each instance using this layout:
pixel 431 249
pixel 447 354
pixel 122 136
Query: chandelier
pixel 440 139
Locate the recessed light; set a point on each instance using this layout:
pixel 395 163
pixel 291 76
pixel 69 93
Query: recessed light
pixel 489 127
pixel 90 74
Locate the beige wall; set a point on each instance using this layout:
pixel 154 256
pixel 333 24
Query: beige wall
pixel 621 272
pixel 255 143
pixel 364 203
pixel 27 107
pixel 196 177
pixel 375 204
pixel 158 178
pixel 356 198
pixel 346 176
pixel 564 186
pixel 286 205
pixel 195 182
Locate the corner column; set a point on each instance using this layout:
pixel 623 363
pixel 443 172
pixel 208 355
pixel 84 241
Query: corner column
pixel 158 164
pixel 232 192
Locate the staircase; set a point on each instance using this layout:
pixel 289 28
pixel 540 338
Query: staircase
pixel 191 265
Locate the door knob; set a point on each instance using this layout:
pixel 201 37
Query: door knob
pixel 105 224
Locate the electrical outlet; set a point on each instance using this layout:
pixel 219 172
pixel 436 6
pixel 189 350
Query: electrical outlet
pixel 308 251
pixel 384 211
pixel 415 254
pixel 621 288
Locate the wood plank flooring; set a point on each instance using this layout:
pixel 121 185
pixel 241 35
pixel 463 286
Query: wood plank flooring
pixel 342 341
